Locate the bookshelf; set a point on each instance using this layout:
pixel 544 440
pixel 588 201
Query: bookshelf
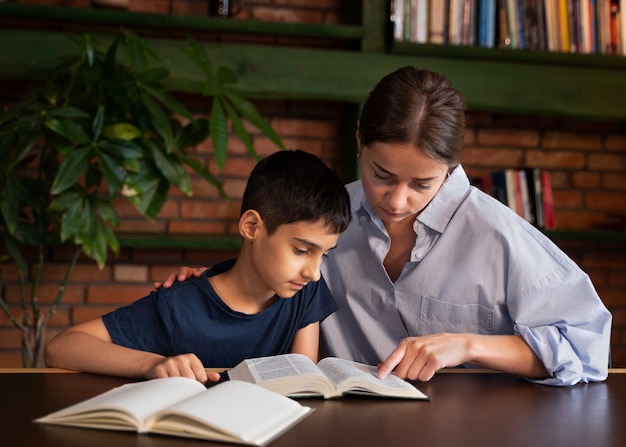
pixel 492 79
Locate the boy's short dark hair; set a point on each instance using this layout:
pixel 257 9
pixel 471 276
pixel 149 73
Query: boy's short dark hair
pixel 292 186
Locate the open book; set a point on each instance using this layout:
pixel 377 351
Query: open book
pixel 296 375
pixel 231 411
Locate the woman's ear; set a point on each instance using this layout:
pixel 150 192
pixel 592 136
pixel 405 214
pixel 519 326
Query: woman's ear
pixel 250 223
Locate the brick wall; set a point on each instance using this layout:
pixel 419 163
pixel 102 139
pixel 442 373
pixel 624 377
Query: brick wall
pixel 587 161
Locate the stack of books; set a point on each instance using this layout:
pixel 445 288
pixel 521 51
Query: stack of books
pixel 528 192
pixel 570 26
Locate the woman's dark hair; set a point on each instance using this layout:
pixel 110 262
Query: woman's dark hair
pixel 291 186
pixel 418 107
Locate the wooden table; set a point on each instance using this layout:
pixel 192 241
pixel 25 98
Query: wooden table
pixel 466 408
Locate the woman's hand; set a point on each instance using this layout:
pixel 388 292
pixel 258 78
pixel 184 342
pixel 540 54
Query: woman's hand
pixel 419 358
pixel 183 274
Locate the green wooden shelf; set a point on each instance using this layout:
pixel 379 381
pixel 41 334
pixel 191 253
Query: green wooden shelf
pixel 146 21
pixel 492 80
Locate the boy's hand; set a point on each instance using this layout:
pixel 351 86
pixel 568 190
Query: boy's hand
pixel 183 274
pixel 184 365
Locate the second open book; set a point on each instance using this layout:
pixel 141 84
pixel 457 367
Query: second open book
pixel 296 375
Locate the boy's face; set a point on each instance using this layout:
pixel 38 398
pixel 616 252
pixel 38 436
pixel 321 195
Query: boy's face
pixel 291 257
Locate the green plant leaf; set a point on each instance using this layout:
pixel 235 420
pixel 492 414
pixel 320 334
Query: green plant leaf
pixel 121 131
pixel 98 245
pixel 225 76
pixel 126 150
pixel 160 122
pixel 153 75
pixel 201 170
pixel 70 170
pixel 247 109
pixel 9 206
pixel 67 112
pixel 72 220
pixel 158 198
pixel 132 165
pixel 98 123
pixel 114 174
pixel 147 192
pixel 171 168
pixel 199 57
pixel 13 248
pixel 65 200
pixel 168 101
pixel 107 212
pixel 69 129
pixel 240 130
pixel 138 52
pixel 193 133
pixel 88 49
pixel 219 133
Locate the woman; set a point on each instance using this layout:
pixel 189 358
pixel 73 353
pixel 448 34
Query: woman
pixel 434 273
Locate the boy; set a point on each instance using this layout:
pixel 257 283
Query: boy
pixel 267 301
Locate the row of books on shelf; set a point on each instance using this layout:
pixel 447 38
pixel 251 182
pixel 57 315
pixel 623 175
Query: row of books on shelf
pixel 569 26
pixel 528 192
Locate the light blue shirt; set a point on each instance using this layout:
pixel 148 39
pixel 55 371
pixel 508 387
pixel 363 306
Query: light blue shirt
pixel 476 267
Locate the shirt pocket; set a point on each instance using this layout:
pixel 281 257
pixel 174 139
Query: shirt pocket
pixel 438 316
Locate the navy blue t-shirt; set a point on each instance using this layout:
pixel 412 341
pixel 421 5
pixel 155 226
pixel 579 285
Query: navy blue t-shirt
pixel 190 317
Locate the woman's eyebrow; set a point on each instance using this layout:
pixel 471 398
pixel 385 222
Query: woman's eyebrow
pixel 415 179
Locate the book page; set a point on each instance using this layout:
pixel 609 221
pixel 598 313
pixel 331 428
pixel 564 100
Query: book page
pixel 127 406
pixel 276 367
pixel 231 411
pixel 351 376
pixel 292 375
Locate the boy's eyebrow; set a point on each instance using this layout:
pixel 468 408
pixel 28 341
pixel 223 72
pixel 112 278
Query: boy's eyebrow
pixel 425 179
pixel 310 243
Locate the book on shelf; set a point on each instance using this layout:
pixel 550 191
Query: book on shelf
pixel 232 411
pixel 296 375
pixel 569 26
pixel 528 192
pixel 549 221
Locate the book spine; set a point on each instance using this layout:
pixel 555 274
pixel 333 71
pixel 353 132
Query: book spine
pixel 614 32
pixel 548 201
pixel 622 14
pixel 498 182
pixel 422 21
pixel 563 17
pixel 397 15
pixel 512 185
pixel 486 23
pixel 504 34
pixel 593 25
pixel 512 20
pixel 525 198
pixel 533 178
pixel 540 14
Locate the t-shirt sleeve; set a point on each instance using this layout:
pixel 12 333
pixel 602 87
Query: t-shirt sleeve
pixel 319 301
pixel 144 325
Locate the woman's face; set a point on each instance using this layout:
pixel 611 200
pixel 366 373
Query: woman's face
pixel 399 180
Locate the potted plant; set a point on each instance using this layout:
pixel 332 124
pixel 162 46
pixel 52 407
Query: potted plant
pixel 101 127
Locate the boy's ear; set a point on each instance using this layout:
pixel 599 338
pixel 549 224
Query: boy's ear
pixel 250 223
